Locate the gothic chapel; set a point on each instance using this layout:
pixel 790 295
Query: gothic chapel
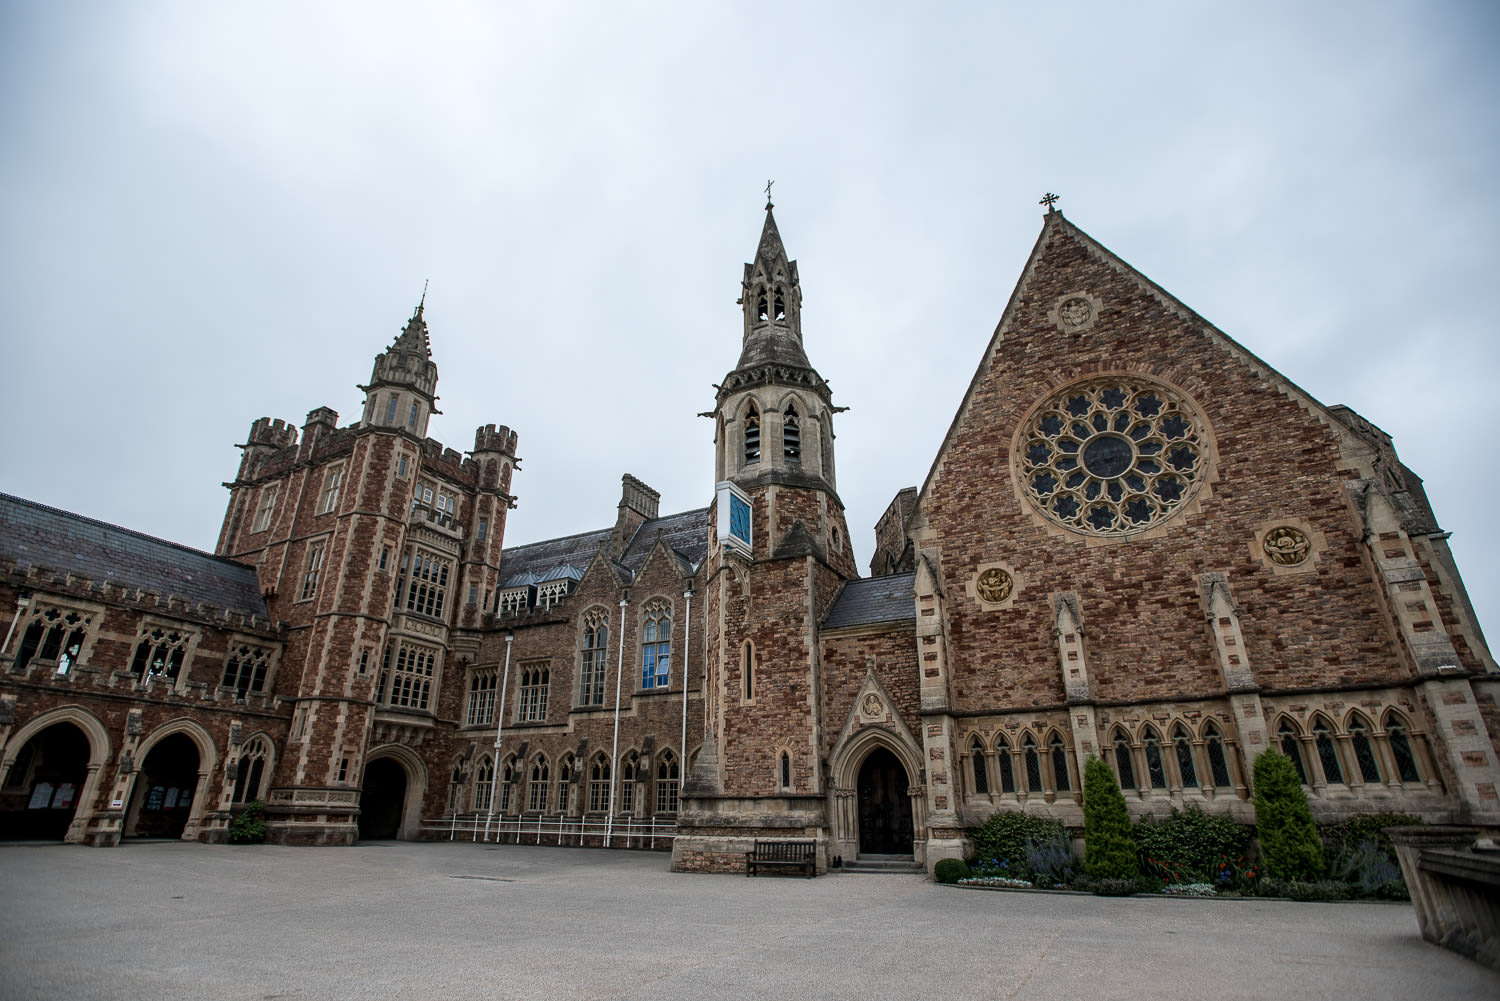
pixel 1137 540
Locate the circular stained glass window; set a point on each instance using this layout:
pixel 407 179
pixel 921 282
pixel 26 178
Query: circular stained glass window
pixel 1113 456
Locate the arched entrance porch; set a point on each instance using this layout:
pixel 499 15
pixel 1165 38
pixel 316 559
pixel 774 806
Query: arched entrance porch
pixel 877 806
pixel 391 793
pixel 885 808
pixel 44 785
pixel 166 790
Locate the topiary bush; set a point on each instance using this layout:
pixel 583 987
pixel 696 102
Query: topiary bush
pixel 248 828
pixel 1109 850
pixel 1289 845
pixel 1191 846
pixel 1001 840
pixel 950 870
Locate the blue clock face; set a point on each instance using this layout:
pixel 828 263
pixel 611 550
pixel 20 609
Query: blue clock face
pixel 739 519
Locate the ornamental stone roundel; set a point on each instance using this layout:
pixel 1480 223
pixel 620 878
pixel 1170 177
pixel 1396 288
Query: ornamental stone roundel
pixel 1286 546
pixel 872 706
pixel 994 585
pixel 1113 456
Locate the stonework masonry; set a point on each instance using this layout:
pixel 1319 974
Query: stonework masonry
pixel 1137 541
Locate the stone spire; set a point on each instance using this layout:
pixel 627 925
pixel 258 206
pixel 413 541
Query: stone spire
pixel 771 297
pixel 403 384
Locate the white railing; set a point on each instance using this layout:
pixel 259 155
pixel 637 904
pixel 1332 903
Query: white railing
pixel 537 829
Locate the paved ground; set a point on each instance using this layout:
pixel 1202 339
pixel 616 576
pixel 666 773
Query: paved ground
pixel 474 921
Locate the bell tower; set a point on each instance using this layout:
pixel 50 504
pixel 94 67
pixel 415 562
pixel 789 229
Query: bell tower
pixel 778 555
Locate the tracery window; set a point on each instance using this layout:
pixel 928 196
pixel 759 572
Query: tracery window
pixel 1113 456
pixel 507 784
pixel 1364 754
pixel 628 776
pixel 599 785
pixel 791 436
pixel 532 705
pixel 1124 766
pixel 592 663
pixel 54 636
pixel 537 788
pixel 1155 770
pixel 456 789
pixel 656 644
pixel 1328 755
pixel 752 435
pixel 482 685
pixel 159 653
pixel 1033 764
pixel 1007 767
pixel 411 676
pixel 484 785
pixel 245 669
pixel 1401 749
pixel 250 771
pixel 1291 746
pixel 981 773
pixel 266 510
pixel 1218 764
pixel 668 779
pixel 426 585
pixel 1059 764
pixel 1184 749
pixel 564 782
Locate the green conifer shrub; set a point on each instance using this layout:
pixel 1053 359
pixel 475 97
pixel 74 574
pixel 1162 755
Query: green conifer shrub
pixel 1289 845
pixel 1108 846
pixel 950 870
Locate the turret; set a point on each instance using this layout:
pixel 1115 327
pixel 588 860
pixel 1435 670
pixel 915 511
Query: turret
pixel 403 385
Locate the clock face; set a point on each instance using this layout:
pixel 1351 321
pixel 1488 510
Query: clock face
pixel 739 519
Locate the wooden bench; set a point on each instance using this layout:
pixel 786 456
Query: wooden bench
pixel 783 855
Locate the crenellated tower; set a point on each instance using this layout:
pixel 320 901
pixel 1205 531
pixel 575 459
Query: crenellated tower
pixel 779 555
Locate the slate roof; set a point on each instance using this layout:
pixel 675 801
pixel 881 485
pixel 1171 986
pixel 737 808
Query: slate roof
pixel 32 533
pixel 686 534
pixel 873 600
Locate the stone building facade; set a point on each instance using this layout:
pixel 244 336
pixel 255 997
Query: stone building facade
pixel 1137 540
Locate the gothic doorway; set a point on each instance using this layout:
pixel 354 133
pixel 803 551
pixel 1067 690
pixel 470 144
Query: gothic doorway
pixel 885 826
pixel 42 790
pixel 163 798
pixel 382 800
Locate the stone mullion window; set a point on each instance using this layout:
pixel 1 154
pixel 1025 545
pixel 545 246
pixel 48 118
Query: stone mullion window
pixel 656 644
pixel 313 569
pixel 1218 759
pixel 412 675
pixel 1362 751
pixel 245 669
pixel 426 584
pixel 160 652
pixel 1330 767
pixel 531 701
pixel 481 709
pixel 1057 755
pixel 668 778
pixel 1156 771
pixel 333 481
pixel 1033 764
pixel 266 509
pixel 599 785
pixel 1005 760
pixel 55 636
pixel 593 663
pixel 1399 744
pixel 484 784
pixel 1124 762
pixel 628 779
pixel 978 769
pixel 536 788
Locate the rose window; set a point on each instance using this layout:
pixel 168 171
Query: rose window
pixel 1110 457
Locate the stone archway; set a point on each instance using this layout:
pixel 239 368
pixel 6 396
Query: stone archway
pixel 382 800
pixel 166 791
pixel 885 809
pixel 43 787
pixel 99 752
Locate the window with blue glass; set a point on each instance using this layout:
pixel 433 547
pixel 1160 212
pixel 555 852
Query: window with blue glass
pixel 656 644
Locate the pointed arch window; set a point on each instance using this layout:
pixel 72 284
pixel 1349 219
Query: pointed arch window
pixel 1218 763
pixel 599 785
pixel 981 773
pixel 536 789
pixel 668 780
pixel 780 304
pixel 1328 755
pixel 1007 768
pixel 1184 749
pixel 629 776
pixel 1124 766
pixel 507 784
pixel 656 644
pixel 1364 754
pixel 456 789
pixel 245 669
pixel 761 311
pixel 564 782
pixel 1033 764
pixel 1059 764
pixel 592 662
pixel 752 435
pixel 158 654
pixel 1291 746
pixel 251 771
pixel 1155 770
pixel 1401 749
pixel 484 784
pixel 532 706
pixel 791 435
pixel 390 408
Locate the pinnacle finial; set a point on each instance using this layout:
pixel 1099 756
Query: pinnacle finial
pixel 1049 200
pixel 768 195
pixel 423 301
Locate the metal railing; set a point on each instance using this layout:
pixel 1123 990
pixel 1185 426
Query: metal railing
pixel 538 829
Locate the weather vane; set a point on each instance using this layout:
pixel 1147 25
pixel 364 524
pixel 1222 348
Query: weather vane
pixel 1049 199
pixel 768 191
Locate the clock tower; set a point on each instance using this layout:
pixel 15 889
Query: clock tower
pixel 779 554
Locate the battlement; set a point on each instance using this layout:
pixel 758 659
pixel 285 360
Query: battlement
pixel 325 417
pixel 492 439
pixel 277 434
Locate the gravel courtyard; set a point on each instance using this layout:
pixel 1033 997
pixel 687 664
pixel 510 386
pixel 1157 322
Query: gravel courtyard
pixel 458 920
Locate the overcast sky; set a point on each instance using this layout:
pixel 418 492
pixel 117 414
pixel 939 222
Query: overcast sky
pixel 210 214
